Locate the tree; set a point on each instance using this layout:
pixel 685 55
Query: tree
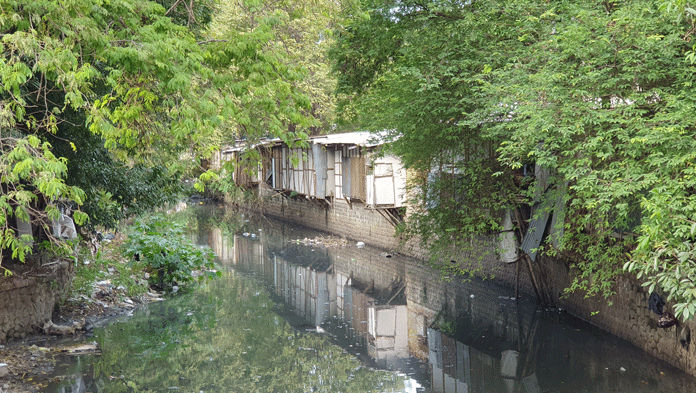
pixel 297 34
pixel 114 190
pixel 415 68
pixel 31 181
pixel 604 97
pixel 600 93
pixel 292 37
pixel 153 90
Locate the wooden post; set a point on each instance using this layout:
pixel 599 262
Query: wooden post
pixel 517 280
pixel 535 284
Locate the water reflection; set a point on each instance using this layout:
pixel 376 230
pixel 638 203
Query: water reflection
pixel 304 318
pixel 471 335
pixel 224 337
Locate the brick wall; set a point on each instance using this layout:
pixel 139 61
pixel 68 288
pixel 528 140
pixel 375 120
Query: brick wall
pixel 352 221
pixel 27 302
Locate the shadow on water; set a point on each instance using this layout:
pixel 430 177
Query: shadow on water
pixel 303 318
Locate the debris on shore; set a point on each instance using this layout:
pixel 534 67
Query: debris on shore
pixel 27 361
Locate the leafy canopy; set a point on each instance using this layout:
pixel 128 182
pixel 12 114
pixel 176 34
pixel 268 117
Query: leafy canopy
pixel 600 93
pixel 149 81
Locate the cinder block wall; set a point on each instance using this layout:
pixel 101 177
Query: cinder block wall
pixel 627 316
pixel 355 222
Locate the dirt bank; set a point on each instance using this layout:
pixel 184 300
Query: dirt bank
pixel 29 361
pixel 96 294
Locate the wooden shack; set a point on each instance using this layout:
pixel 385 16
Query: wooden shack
pixel 252 162
pixel 354 169
pixel 345 166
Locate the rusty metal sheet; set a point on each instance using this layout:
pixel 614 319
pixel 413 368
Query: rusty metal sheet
pixel 358 189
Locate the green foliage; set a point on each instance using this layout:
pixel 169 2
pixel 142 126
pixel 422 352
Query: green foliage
pixel 151 88
pixel 277 56
pixel 601 93
pixel 146 80
pixel 106 264
pixel 194 14
pixel 605 97
pixel 413 68
pixel 278 78
pixel 113 190
pixel 31 178
pixel 160 247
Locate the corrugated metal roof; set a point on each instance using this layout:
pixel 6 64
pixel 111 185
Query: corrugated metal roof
pixel 243 145
pixel 360 138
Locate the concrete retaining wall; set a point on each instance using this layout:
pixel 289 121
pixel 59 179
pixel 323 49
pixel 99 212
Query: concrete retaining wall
pixel 624 315
pixel 27 300
pixel 355 222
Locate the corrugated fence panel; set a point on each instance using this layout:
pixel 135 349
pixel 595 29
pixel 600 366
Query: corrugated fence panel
pixel 320 168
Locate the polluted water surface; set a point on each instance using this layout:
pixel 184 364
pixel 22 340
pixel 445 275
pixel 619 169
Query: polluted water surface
pixel 302 311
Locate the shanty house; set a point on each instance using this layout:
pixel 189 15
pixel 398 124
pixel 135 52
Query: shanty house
pixel 345 166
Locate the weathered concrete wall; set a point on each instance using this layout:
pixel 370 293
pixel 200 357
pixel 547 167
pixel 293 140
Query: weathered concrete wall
pixel 624 315
pixel 27 300
pixel 355 222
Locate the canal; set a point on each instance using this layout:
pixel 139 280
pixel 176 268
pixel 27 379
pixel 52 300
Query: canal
pixel 302 311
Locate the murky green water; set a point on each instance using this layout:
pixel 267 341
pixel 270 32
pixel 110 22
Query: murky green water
pixel 290 317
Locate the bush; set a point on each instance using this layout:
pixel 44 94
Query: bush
pixel 162 249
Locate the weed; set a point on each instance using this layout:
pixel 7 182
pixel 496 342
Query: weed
pixel 161 248
pixel 106 264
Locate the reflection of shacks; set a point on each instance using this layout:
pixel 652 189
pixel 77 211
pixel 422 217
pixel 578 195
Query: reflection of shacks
pixel 308 281
pixel 249 254
pixel 383 328
pixel 306 290
pixel 344 166
pixel 388 333
pixel 458 368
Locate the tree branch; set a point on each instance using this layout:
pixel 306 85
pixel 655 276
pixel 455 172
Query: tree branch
pixel 172 7
pixel 209 41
